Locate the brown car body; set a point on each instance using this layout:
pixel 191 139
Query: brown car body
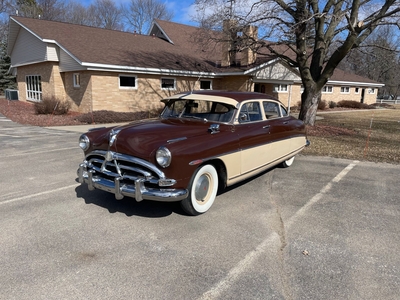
pixel 243 140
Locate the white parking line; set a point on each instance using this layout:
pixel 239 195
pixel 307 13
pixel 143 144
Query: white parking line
pixel 39 194
pixel 217 290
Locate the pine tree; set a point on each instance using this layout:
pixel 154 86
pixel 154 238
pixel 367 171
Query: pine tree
pixel 7 81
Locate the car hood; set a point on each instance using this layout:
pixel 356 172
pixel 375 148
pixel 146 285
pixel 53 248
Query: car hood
pixel 143 138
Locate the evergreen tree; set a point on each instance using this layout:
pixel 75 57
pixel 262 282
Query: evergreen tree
pixel 7 81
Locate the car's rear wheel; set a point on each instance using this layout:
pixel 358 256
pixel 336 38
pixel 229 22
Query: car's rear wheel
pixel 287 163
pixel 203 189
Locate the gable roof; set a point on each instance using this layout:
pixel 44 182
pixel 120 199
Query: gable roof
pixel 102 48
pixel 170 48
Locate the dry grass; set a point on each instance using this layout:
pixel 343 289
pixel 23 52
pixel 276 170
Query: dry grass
pixel 372 135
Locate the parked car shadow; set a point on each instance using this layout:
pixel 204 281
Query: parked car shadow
pixel 127 206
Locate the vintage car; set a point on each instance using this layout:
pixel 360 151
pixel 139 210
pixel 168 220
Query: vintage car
pixel 203 141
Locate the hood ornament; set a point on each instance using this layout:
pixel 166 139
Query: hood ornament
pixel 113 136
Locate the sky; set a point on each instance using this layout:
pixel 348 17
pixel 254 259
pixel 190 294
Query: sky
pixel 182 9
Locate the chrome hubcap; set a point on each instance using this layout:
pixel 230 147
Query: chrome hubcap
pixel 202 188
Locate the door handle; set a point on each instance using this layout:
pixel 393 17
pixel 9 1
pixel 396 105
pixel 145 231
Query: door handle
pixel 266 126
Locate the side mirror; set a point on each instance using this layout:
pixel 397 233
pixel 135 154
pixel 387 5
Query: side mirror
pixel 243 117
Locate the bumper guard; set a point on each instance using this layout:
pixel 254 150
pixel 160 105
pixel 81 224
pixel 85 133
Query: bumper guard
pixel 137 190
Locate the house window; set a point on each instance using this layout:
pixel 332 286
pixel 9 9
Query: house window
pixel 77 80
pixel 168 83
pixel 33 88
pixel 356 90
pixel 301 88
pixel 127 82
pixel 345 90
pixel 205 84
pixel 371 91
pixel 327 89
pixel 280 88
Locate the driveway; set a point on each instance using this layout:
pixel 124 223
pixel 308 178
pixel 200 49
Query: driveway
pixel 322 229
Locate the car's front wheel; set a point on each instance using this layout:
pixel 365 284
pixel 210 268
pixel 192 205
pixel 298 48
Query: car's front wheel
pixel 287 163
pixel 203 189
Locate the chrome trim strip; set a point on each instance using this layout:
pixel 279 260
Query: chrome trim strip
pixel 177 140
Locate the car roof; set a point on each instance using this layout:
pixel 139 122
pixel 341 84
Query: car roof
pixel 228 97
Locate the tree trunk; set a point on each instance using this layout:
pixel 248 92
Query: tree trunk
pixel 309 106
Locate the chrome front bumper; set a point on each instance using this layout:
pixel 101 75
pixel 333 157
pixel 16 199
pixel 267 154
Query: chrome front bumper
pixel 137 190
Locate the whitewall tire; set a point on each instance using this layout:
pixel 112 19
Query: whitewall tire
pixel 203 189
pixel 287 163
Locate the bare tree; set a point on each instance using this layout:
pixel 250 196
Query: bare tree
pixel 76 13
pixel 24 8
pixel 53 10
pixel 378 59
pixel 43 9
pixel 105 14
pixel 3 5
pixel 313 36
pixel 140 13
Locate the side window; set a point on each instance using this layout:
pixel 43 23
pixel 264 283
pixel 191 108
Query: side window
pixel 284 111
pixel 250 112
pixel 271 110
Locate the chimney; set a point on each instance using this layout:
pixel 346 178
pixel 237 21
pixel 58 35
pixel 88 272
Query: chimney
pixel 249 37
pixel 229 43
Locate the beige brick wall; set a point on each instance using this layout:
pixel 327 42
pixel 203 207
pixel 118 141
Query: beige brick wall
pixel 108 95
pixel 51 80
pixel 101 91
pixel 294 95
pixel 233 83
pixel 80 97
pixel 337 96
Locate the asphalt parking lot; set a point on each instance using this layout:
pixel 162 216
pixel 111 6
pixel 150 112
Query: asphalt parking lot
pixel 322 229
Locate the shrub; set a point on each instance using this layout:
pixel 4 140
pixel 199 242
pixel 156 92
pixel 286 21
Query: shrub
pixel 353 104
pixel 107 116
pixel 332 104
pixel 322 105
pixel 52 106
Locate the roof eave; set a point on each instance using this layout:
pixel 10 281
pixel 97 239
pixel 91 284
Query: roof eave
pixel 141 70
pixel 355 83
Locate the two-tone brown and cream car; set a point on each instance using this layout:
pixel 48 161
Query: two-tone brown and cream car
pixel 202 141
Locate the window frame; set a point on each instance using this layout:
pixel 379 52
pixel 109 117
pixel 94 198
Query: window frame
pixel 35 82
pixel 278 88
pixel 127 87
pixel 343 90
pixel 275 114
pixel 356 90
pixel 168 88
pixel 247 113
pixel 76 78
pixel 325 89
pixel 371 91
pixel 206 80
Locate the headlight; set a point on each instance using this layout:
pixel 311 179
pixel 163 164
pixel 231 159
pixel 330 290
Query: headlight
pixel 84 142
pixel 163 157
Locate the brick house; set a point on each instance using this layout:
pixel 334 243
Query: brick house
pixel 99 69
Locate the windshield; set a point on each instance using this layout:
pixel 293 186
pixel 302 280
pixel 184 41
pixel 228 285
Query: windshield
pixel 199 109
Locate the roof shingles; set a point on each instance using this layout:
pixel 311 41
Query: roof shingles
pixel 108 47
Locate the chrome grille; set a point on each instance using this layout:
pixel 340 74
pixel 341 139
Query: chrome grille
pixel 111 165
